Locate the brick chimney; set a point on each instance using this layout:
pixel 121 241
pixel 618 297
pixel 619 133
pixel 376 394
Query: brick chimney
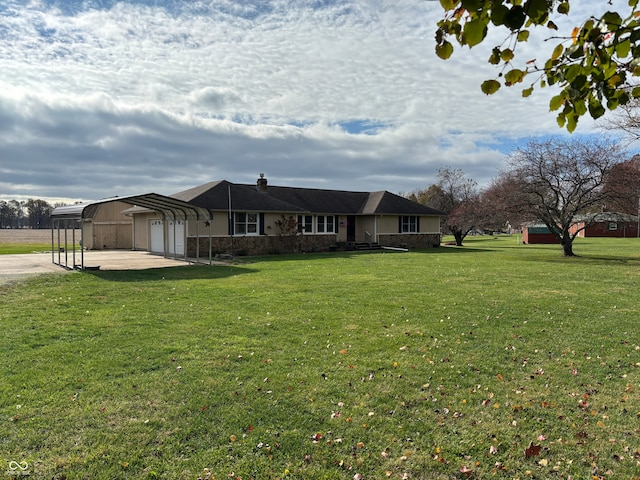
pixel 262 184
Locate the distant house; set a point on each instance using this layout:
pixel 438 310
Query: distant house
pixel 537 233
pixel 607 224
pixel 262 219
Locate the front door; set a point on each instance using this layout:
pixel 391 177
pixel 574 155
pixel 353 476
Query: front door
pixel 351 228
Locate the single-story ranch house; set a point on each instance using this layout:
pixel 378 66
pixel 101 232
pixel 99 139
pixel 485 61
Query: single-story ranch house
pixel 262 219
pixel 223 217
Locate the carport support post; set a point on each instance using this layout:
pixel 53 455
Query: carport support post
pixel 53 258
pixel 73 239
pixel 59 260
pixel 66 249
pixel 82 244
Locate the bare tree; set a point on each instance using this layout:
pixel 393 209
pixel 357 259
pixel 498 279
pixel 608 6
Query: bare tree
pixel 457 197
pixel 625 119
pixel 559 180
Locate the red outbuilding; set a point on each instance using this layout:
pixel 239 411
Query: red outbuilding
pixel 607 224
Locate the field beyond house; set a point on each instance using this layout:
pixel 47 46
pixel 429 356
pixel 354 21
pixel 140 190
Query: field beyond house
pixel 494 360
pixel 24 240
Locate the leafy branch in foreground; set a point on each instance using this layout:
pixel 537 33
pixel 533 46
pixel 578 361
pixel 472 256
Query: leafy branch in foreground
pixel 594 65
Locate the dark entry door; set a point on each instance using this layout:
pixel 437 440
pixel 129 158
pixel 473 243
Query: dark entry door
pixel 351 228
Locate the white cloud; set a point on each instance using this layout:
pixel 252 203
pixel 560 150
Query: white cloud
pixel 112 97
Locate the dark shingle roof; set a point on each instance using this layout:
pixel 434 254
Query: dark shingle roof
pixel 215 196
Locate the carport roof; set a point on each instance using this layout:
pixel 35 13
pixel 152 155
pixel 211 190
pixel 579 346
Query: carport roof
pixel 154 201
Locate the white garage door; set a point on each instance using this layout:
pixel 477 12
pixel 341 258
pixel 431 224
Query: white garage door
pixel 175 235
pixel 157 237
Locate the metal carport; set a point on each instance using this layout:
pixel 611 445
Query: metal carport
pixel 71 217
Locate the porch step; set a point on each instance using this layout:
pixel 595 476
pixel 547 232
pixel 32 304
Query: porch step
pixel 367 246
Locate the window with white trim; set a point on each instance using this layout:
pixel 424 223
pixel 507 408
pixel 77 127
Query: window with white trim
pixel 326 224
pixel 409 224
pixel 246 223
pixel 305 223
pixel 612 226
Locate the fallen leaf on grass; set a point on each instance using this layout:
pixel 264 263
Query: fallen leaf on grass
pixel 465 470
pixel 532 450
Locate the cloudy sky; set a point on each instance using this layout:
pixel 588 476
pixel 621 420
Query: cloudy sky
pixel 117 97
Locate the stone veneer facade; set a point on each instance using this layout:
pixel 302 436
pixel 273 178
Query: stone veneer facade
pixel 273 244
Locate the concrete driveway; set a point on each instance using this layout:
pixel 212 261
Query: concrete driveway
pixel 15 267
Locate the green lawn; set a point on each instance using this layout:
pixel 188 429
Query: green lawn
pixel 15 248
pixel 495 360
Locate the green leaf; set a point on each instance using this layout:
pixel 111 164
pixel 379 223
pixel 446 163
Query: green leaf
pixel 623 48
pixel 579 107
pixel 498 12
pixel 448 4
pixel 494 59
pixel 475 31
pixel 579 82
pixel 514 76
pixel 538 10
pixel 551 25
pixel 572 71
pixel 523 35
pixel 563 8
pixel 506 55
pixel 572 121
pixel 527 91
pixel 557 51
pixel 613 20
pixel 561 119
pixel 556 102
pixel 614 81
pixel 515 18
pixel 445 50
pixel 489 87
pixel 635 92
pixel 596 109
pixel 472 5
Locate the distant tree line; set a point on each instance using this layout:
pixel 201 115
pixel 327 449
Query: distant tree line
pixel 33 213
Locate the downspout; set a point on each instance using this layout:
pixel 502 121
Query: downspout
pixel 197 239
pixel 375 229
pixel 210 241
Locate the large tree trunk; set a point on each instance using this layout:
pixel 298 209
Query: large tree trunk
pixel 567 247
pixel 459 236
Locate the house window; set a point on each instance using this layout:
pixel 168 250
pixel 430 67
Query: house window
pixel 612 226
pixel 246 223
pixel 408 224
pixel 326 224
pixel 305 223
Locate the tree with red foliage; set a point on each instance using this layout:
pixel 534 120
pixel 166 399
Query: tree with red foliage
pixel 622 186
pixel 457 197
